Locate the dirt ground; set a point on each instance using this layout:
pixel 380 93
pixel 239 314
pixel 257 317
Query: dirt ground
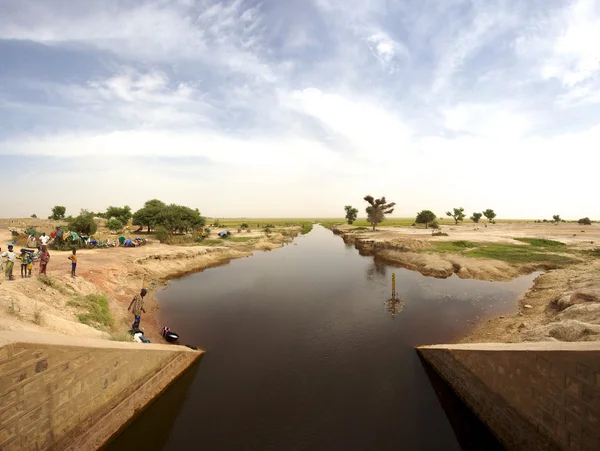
pixel 563 304
pixel 119 273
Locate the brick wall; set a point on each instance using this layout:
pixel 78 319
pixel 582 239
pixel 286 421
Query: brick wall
pixel 61 392
pixel 533 396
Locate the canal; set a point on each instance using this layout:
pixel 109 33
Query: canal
pixel 304 353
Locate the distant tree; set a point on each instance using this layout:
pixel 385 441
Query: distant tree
pixel 585 221
pixel 458 214
pixel 34 216
pixel 351 214
pixel 58 212
pixel 489 214
pixel 476 217
pixel 148 214
pixel 377 210
pixel 217 223
pixel 556 218
pixel 244 225
pixel 180 219
pixel 123 214
pixel 114 224
pixel 83 224
pixel 425 217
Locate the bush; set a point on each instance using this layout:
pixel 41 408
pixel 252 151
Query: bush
pixel 84 224
pixel 585 221
pixel 162 234
pixel 114 224
pixel 244 226
pixel 434 224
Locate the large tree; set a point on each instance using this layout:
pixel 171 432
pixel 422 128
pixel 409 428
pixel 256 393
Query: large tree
pixel 58 212
pixel 84 224
pixel 489 214
pixel 351 214
pixel 123 214
pixel 458 214
pixel 556 218
pixel 377 210
pixel 425 217
pixel 148 214
pixel 180 219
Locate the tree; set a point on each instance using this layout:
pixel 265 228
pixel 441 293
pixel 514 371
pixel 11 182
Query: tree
pixel 585 221
pixel 476 217
pixel 34 216
pixel 489 214
pixel 458 214
pixel 351 214
pixel 58 212
pixel 84 224
pixel 114 224
pixel 556 218
pixel 377 210
pixel 425 217
pixel 148 214
pixel 180 219
pixel 123 214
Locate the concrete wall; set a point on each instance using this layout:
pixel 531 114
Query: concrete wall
pixel 59 392
pixel 533 396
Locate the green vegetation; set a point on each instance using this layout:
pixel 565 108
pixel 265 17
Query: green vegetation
pixel 538 251
pixel 377 210
pixel 556 218
pixel 84 224
pixel 95 311
pixel 425 217
pixel 489 214
pixel 206 242
pixel 585 221
pixel 162 234
pixel 351 214
pixel 476 217
pixel 306 227
pixel 58 212
pixel 147 215
pixel 540 242
pixel 50 282
pixel 122 214
pixel 593 253
pixel 114 224
pixel 458 214
pixel 241 239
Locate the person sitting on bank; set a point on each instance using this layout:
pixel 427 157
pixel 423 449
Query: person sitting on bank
pixel 138 307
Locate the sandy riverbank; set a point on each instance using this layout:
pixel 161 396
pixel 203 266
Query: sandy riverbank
pixel 119 273
pixel 563 304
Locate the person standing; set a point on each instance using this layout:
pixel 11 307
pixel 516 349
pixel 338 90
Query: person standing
pixel 73 258
pixel 44 259
pixel 138 307
pixel 11 258
pixel 44 239
pixel 23 258
pixel 29 264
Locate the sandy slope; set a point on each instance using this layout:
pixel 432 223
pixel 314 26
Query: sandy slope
pixel 116 272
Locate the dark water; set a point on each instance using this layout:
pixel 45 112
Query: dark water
pixel 304 354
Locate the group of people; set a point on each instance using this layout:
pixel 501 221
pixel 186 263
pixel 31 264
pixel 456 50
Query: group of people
pixel 27 257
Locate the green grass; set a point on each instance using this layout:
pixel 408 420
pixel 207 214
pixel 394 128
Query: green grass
pixel 208 242
pixel 94 311
pixel 241 239
pixel 592 253
pixel 306 227
pixel 510 253
pixel 540 242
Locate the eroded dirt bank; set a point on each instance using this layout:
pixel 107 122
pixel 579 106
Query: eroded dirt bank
pixel 119 273
pixel 563 304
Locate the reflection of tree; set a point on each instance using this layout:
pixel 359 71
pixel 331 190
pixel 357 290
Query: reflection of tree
pixel 394 305
pixel 377 270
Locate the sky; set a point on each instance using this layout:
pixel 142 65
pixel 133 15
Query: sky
pixel 296 108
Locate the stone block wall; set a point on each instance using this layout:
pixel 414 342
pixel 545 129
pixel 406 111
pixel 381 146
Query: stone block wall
pixel 533 396
pixel 60 392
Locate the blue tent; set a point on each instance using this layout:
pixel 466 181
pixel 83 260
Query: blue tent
pixel 224 233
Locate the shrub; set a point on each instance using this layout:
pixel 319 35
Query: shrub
pixel 162 234
pixel 114 224
pixel 84 224
pixel 585 221
pixel 244 225
pixel 94 309
pixel 434 224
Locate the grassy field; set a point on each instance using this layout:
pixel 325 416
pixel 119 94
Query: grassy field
pixel 536 251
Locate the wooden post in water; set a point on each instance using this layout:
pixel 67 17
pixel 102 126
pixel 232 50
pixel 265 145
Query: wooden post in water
pixel 394 285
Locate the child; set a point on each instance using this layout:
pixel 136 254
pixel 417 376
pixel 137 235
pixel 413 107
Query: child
pixel 23 257
pixel 44 259
pixel 11 258
pixel 29 264
pixel 73 259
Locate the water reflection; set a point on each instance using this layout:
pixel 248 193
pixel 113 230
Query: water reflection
pixel 376 270
pixel 394 305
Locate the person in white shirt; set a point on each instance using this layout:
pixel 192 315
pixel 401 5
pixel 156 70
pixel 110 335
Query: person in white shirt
pixel 44 239
pixel 11 258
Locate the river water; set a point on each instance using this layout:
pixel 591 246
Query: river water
pixel 304 353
